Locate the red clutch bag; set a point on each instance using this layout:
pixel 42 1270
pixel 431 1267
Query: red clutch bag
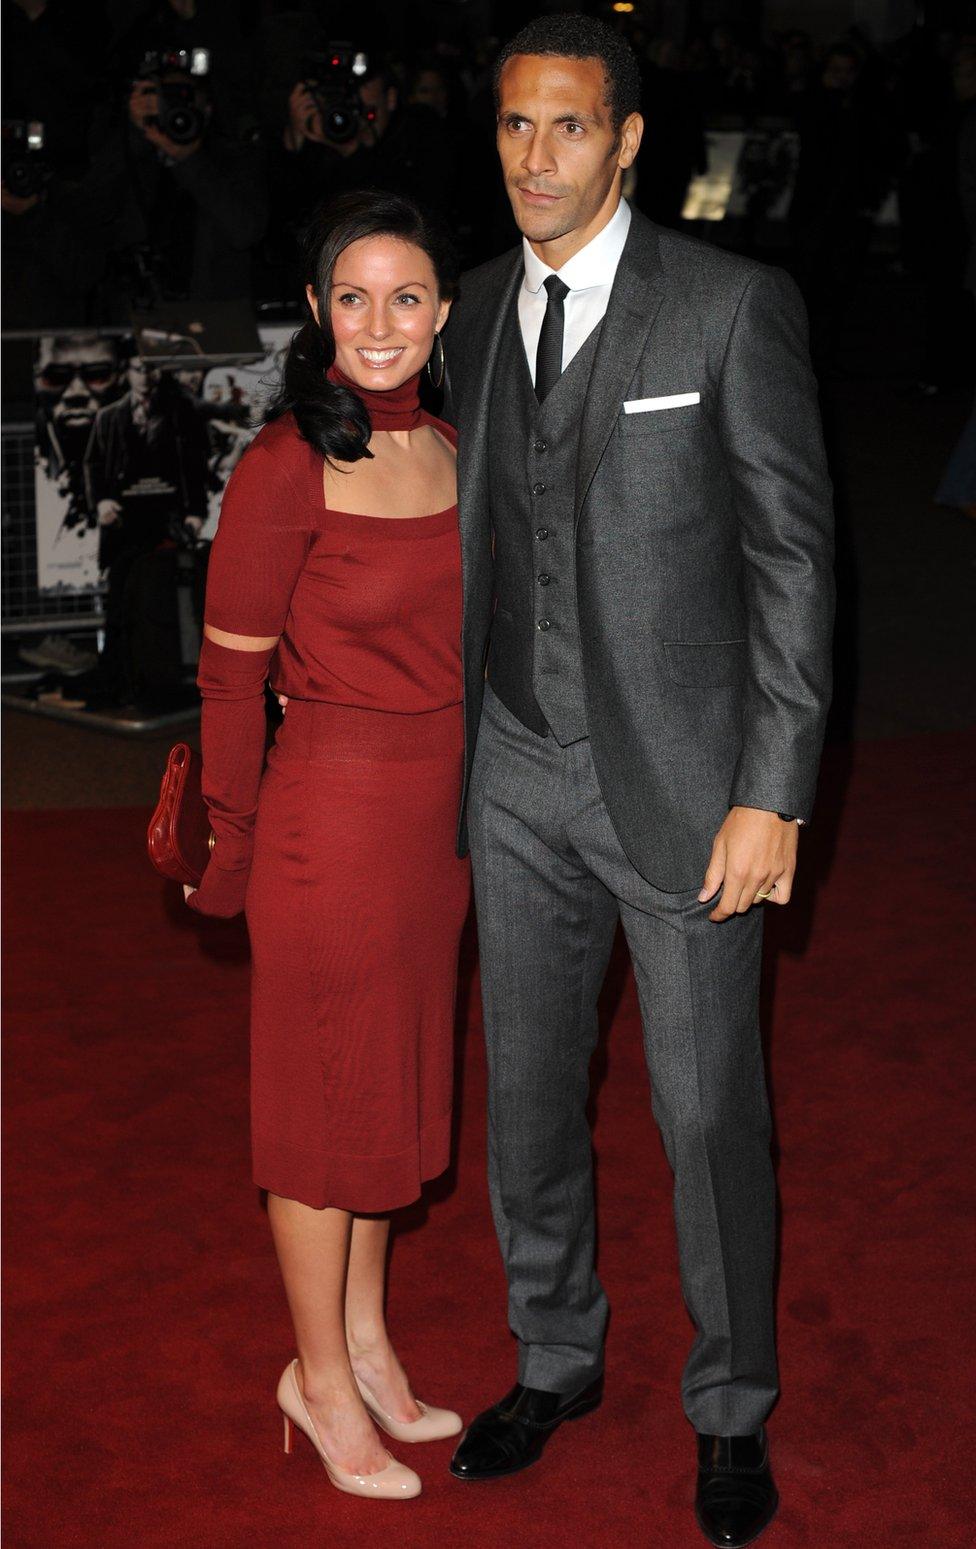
pixel 180 838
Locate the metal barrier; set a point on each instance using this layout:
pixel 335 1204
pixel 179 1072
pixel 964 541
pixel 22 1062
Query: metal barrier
pixel 25 609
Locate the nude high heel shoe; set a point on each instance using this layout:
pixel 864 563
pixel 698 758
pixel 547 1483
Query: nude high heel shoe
pixel 433 1425
pixel 396 1482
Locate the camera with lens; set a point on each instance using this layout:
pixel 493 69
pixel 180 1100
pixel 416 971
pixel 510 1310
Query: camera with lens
pixel 334 78
pixel 180 76
pixel 25 164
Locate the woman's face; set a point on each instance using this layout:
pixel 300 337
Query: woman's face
pixel 384 309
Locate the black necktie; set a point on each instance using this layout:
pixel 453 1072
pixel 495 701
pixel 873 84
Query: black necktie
pixel 549 356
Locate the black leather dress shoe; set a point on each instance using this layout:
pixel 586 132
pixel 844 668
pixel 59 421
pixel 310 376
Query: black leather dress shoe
pixel 736 1497
pixel 513 1434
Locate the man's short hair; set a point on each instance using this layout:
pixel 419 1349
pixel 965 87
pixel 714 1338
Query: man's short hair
pixel 582 37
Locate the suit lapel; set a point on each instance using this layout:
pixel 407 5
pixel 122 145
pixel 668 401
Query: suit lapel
pixel 482 348
pixel 635 299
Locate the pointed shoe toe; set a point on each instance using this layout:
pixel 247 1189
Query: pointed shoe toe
pixel 736 1498
pixel 433 1424
pixel 479 1457
pixel 395 1482
pixel 734 1524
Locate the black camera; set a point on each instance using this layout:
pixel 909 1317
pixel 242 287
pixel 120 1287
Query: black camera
pixel 178 75
pixel 25 164
pixel 334 78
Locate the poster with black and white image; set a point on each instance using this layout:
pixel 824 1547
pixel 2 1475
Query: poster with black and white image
pixel 124 444
pixel 234 399
pixel 75 375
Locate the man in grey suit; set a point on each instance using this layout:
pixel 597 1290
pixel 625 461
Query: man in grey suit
pixel 646 537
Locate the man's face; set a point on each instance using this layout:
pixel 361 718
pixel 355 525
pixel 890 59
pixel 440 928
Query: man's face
pixel 430 90
pixel 73 379
pixel 840 73
pixel 379 102
pixel 190 381
pixel 560 156
pixel 142 377
pixel 964 75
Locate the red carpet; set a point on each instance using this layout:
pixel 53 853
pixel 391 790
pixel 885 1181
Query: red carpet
pixel 146 1328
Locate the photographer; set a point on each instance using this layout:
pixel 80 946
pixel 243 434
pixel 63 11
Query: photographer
pixel 344 128
pixel 848 151
pixel 55 206
pixel 53 243
pixel 194 201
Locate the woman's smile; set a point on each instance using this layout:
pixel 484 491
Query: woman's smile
pixel 380 358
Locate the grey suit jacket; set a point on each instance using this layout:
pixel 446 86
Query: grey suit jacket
pixel 703 534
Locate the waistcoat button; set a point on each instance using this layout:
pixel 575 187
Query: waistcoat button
pixel 538 489
pixel 544 624
pixel 544 579
pixel 540 445
pixel 542 534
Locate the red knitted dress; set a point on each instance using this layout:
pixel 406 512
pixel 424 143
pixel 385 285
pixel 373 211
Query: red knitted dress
pixel 343 844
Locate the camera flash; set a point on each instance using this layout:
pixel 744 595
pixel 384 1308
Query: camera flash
pixel 360 64
pixel 35 136
pixel 200 61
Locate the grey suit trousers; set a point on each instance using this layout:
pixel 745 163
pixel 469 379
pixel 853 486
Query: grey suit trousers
pixel 551 881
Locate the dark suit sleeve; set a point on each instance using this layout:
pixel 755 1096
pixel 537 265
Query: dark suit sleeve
pixel 447 402
pixel 93 465
pixel 228 183
pixel 770 428
pixel 194 451
pixel 452 340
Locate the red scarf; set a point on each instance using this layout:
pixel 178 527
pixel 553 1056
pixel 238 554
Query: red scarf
pixel 396 408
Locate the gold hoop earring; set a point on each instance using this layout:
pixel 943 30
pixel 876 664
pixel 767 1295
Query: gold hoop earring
pixel 437 381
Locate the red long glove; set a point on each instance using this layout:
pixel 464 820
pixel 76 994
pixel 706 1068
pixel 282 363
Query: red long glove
pixel 233 731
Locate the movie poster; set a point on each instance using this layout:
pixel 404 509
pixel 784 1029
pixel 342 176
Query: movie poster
pixel 126 445
pixel 75 375
pixel 235 398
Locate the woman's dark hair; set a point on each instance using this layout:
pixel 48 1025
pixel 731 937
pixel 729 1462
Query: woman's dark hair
pixel 331 418
pixel 582 37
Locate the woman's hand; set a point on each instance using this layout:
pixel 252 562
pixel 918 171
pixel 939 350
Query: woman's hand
pixel 221 893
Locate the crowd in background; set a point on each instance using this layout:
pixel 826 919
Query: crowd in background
pixel 185 141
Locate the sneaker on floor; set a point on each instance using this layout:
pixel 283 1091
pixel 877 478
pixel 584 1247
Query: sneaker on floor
pixel 59 653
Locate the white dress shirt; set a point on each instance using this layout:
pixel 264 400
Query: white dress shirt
pixel 589 275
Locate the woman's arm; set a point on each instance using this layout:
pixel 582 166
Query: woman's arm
pixel 257 557
pixel 231 677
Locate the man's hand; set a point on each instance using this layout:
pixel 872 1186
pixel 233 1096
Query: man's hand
pixel 109 511
pixel 304 119
pixel 144 106
pixel 754 856
pixel 15 204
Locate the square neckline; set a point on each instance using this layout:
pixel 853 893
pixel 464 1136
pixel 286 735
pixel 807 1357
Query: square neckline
pixel 439 427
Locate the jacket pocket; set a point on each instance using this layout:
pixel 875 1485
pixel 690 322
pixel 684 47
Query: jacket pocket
pixel 705 663
pixel 649 422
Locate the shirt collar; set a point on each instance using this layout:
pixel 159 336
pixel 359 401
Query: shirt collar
pixel 594 264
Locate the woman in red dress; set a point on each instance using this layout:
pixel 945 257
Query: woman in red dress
pixel 335 575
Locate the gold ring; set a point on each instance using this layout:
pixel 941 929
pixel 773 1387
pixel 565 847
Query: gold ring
pixel 766 895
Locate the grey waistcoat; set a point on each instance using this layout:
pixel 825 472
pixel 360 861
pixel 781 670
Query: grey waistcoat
pixel 534 665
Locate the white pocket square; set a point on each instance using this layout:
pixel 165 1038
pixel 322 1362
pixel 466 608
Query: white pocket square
pixel 673 401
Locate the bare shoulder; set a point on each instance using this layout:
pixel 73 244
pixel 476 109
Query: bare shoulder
pixel 442 432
